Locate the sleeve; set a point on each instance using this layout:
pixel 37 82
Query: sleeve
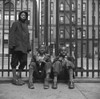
pixel 33 58
pixel 12 36
pixel 47 58
pixel 29 45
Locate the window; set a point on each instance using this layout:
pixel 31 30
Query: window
pixel 42 32
pixel 18 1
pixel 52 32
pixel 42 7
pixel 78 6
pixel 52 7
pixel 84 33
pixel 72 33
pixel 18 14
pixel 84 20
pixel 93 19
pixel 61 6
pixel 61 33
pixel 84 7
pixel 94 34
pixel 72 6
pixel 42 19
pixel 93 6
pixel 79 20
pixel 6 17
pixel 62 19
pixel 73 19
pixel 52 19
pixel 12 17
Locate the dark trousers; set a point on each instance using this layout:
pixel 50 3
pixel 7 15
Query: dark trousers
pixel 40 71
pixel 18 58
pixel 62 69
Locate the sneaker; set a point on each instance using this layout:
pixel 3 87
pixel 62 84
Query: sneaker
pixel 71 85
pixel 31 86
pixel 54 85
pixel 17 82
pixel 46 84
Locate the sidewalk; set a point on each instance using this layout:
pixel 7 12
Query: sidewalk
pixel 82 91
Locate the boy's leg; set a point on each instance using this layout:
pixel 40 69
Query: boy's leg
pixel 48 70
pixel 56 71
pixel 14 73
pixel 23 63
pixel 70 66
pixel 14 63
pixel 71 81
pixel 32 68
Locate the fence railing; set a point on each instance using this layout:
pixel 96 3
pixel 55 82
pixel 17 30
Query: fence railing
pixel 73 23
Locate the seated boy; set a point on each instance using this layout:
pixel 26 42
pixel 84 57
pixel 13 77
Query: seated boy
pixel 40 67
pixel 63 65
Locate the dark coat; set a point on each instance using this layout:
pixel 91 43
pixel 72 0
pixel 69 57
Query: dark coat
pixel 19 37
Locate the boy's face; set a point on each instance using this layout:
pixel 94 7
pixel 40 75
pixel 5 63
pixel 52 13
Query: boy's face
pixel 23 16
pixel 42 50
pixel 63 51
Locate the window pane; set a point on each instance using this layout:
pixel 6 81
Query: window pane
pixel 61 6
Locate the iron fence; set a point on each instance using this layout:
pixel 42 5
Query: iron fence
pixel 73 23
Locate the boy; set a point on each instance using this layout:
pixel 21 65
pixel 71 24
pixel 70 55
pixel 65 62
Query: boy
pixel 19 46
pixel 63 65
pixel 40 67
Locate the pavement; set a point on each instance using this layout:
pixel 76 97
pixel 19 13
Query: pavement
pixel 84 89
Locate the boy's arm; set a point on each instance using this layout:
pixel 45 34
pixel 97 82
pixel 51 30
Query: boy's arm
pixel 12 36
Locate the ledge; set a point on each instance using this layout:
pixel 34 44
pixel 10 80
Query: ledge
pixel 77 80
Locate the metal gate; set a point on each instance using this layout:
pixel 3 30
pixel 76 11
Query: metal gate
pixel 73 23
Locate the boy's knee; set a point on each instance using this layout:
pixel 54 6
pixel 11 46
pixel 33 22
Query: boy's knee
pixel 32 65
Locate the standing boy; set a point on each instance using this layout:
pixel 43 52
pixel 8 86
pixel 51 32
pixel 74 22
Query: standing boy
pixel 19 46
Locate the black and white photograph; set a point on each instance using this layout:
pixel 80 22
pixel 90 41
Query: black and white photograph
pixel 49 49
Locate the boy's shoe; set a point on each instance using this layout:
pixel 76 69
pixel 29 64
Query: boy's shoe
pixel 71 85
pixel 54 85
pixel 18 82
pixel 46 84
pixel 31 86
pixel 21 82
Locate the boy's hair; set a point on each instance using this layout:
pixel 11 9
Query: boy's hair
pixel 26 13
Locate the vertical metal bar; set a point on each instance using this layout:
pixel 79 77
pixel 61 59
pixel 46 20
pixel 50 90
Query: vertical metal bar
pixel 64 22
pixel 57 27
pixel 98 37
pixel 15 11
pixel 27 22
pixel 8 37
pixel 41 20
pixel 33 27
pixel 70 27
pixel 93 38
pixel 76 14
pixel 38 10
pixel 46 23
pixel 87 50
pixel 82 36
pixel 36 32
pixel 27 4
pixel 50 26
pixel 21 4
pixel 3 38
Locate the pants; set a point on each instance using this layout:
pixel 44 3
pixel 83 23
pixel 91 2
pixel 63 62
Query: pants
pixel 62 68
pixel 19 57
pixel 40 71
